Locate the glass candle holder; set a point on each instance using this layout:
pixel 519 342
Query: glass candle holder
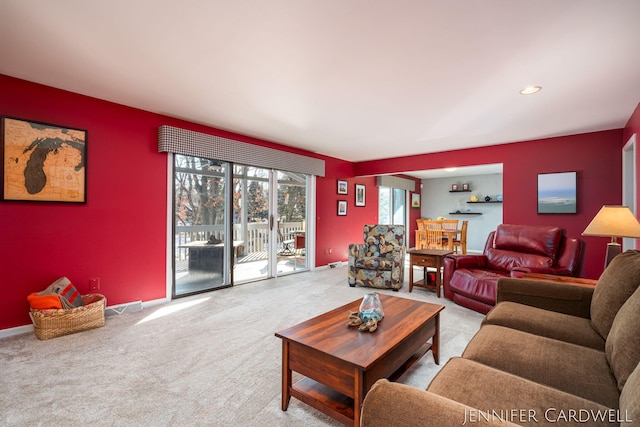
pixel 371 308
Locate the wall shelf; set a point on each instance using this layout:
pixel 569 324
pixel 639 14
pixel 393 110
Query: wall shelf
pixel 459 191
pixel 492 201
pixel 465 213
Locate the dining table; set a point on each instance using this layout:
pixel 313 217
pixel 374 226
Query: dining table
pixel 450 235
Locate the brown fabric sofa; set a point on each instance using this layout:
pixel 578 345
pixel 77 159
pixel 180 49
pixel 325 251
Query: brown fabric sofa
pixel 548 354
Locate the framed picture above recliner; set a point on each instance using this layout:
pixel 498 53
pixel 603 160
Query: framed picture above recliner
pixel 557 193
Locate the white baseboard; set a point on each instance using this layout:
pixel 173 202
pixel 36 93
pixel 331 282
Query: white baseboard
pixel 18 330
pixel 332 265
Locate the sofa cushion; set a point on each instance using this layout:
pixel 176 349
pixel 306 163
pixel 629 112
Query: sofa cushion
pixel 546 323
pixel 629 402
pixel 572 368
pixel 623 341
pixel 539 240
pixel 488 389
pixel 476 283
pixel 616 284
pixel 418 408
pixel 374 263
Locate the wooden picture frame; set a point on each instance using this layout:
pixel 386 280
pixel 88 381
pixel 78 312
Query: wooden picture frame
pixel 557 193
pixel 454 187
pixel 415 200
pixel 43 162
pixel 342 207
pixel 361 192
pixel 343 187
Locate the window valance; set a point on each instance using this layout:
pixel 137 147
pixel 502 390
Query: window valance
pixel 396 182
pixel 191 143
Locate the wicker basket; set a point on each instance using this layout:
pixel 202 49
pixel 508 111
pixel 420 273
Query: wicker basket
pixel 57 322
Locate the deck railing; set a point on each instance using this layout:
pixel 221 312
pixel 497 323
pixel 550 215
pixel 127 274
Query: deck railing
pixel 255 238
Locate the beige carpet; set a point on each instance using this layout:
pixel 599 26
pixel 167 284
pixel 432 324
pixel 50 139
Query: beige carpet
pixel 206 360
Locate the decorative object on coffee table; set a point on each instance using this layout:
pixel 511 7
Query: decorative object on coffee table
pixel 371 307
pixel 355 320
pixel 369 314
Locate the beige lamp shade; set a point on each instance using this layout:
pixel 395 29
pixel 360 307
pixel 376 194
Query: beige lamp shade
pixel 613 221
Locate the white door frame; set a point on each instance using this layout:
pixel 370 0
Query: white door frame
pixel 629 180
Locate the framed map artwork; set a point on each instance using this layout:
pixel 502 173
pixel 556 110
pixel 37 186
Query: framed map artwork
pixel 43 162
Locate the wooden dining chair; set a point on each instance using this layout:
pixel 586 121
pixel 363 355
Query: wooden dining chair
pixel 462 241
pixel 448 224
pixel 421 234
pixel 434 234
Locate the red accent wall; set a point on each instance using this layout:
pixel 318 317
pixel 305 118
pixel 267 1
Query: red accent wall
pixel 119 235
pixel 595 156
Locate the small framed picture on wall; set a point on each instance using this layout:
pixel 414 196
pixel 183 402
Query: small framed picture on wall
pixel 360 194
pixel 415 200
pixel 342 187
pixel 342 207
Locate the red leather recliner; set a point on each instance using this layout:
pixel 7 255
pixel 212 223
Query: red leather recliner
pixel 470 280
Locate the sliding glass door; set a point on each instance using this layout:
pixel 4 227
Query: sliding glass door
pixel 291 211
pixel 272 223
pixel 224 236
pixel 199 225
pixel 251 195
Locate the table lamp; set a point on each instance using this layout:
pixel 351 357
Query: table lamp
pixel 613 221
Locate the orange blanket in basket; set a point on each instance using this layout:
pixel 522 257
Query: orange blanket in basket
pixel 59 294
pixel 44 302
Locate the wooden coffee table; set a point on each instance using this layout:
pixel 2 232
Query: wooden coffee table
pixel 340 364
pixel 427 258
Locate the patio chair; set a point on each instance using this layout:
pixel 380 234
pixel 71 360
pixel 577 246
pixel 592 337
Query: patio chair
pixel 288 248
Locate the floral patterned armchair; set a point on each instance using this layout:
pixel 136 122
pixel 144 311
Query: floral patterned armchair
pixel 379 262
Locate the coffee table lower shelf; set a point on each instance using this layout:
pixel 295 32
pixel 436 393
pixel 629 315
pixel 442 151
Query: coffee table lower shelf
pixel 335 404
pixel 324 399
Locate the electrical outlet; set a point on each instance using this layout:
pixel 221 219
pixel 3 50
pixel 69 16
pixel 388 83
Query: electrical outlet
pixel 94 284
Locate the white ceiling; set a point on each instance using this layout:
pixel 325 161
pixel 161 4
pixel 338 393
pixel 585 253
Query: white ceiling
pixel 353 79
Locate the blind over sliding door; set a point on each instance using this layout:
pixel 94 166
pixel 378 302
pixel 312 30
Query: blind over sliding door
pixel 190 143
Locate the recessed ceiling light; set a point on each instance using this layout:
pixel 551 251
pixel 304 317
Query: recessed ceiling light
pixel 530 90
pixel 451 169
